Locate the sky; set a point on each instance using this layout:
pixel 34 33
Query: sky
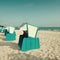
pixel 42 13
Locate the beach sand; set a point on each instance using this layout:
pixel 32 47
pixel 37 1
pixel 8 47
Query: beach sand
pixel 49 47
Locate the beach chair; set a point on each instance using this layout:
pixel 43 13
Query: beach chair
pixel 29 40
pixel 1 29
pixel 10 34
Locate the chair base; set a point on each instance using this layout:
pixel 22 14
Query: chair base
pixel 10 37
pixel 30 44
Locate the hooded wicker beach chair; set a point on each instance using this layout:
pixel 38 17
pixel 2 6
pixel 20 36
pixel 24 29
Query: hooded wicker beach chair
pixel 29 39
pixel 10 34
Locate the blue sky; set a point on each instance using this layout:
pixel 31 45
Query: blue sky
pixel 43 13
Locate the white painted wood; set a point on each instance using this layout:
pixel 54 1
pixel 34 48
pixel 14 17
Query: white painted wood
pixel 32 31
pixel 23 28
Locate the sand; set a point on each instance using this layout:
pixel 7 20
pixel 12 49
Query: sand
pixel 49 47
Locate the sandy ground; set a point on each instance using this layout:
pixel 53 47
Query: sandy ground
pixel 49 48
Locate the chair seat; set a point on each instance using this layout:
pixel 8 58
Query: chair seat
pixel 30 43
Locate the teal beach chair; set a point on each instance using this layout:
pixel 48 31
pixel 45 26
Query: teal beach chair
pixel 1 29
pixel 29 40
pixel 10 36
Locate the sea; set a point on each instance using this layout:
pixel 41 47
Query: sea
pixel 45 28
pixel 50 28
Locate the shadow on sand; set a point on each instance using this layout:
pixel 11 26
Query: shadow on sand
pixel 12 45
pixel 2 38
pixel 18 56
pixel 24 56
pixel 21 56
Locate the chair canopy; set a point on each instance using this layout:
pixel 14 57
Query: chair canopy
pixel 24 27
pixel 32 30
pixel 10 29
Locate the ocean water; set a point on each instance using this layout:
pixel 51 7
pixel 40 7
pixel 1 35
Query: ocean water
pixel 50 28
pixel 45 28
